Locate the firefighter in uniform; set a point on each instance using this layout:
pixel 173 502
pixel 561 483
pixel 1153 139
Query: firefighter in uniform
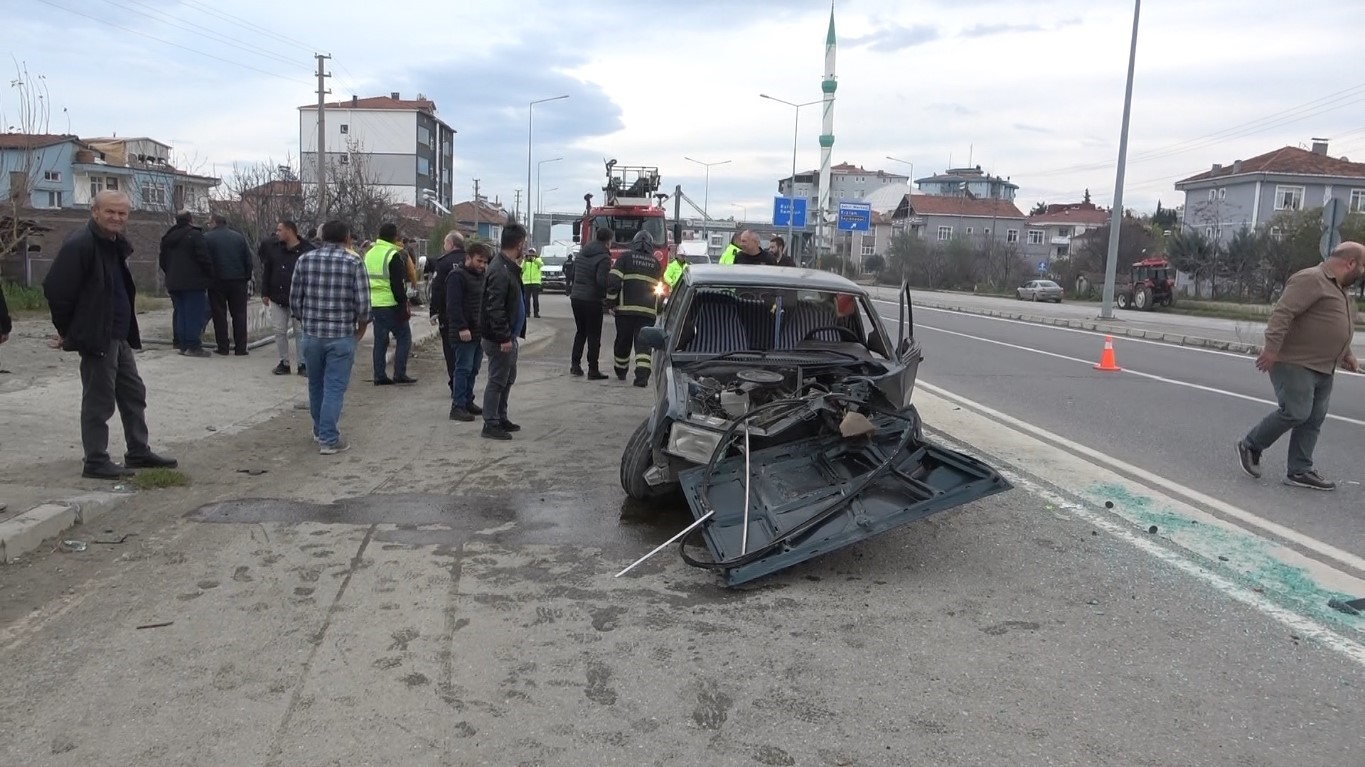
pixel 631 292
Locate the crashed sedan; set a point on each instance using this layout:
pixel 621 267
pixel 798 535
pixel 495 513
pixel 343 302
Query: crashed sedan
pixel 782 415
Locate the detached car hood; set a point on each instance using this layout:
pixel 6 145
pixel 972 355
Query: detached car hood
pixel 816 495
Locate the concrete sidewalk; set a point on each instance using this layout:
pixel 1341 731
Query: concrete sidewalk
pixel 188 400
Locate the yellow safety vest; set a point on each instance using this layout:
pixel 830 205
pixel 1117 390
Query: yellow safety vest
pixel 530 271
pixel 673 273
pixel 728 257
pixel 377 267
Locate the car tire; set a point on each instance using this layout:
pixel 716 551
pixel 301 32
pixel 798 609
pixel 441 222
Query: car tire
pixel 635 461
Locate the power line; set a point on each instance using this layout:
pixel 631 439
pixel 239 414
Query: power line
pixel 203 31
pixel 241 22
pixel 107 23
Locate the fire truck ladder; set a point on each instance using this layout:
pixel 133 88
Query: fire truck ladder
pixel 631 185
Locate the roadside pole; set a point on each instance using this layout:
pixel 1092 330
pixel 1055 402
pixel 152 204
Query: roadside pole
pixel 1116 213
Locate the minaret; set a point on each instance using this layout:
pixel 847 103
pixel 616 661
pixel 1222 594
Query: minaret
pixel 826 219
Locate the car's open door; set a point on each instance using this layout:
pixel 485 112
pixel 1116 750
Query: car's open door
pixel 908 351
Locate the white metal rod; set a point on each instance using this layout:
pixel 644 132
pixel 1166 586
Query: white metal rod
pixel 661 546
pixel 744 537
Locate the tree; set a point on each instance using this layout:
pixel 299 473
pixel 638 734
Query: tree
pixel 1292 243
pixel 1164 217
pixel 1191 252
pixel 30 115
pixel 257 196
pixel 906 253
pixel 1038 208
pixel 1242 260
pixel 1086 199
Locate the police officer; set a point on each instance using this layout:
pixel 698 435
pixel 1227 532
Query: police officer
pixel 727 256
pixel 674 272
pixel 387 268
pixel 631 286
pixel 532 281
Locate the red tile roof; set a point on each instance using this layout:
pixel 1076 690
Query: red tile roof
pixel 1286 160
pixel 934 205
pixel 381 102
pixel 1071 215
pixel 34 140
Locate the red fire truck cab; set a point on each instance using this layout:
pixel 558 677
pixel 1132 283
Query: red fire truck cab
pixel 632 203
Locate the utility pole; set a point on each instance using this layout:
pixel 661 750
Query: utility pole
pixel 478 211
pixel 323 90
pixel 1116 215
pixel 517 208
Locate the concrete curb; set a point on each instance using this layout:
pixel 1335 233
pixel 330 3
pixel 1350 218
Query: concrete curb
pixel 1175 339
pixel 26 532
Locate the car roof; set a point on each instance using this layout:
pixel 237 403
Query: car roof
pixel 745 275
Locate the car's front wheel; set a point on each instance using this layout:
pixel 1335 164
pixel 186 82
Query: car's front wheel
pixel 636 459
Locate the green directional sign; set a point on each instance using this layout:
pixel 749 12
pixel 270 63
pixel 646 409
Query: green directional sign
pixel 1333 214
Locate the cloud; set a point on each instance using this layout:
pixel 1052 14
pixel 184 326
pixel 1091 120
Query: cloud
pixel 1032 128
pixel 896 38
pixel 988 30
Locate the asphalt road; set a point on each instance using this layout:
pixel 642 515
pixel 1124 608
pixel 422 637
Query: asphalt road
pixel 1179 420
pixel 433 598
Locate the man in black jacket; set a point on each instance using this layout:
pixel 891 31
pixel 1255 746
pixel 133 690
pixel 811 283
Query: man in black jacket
pixel 502 320
pixel 90 293
pixel 185 261
pixel 631 293
pixel 587 291
pixel 232 270
pixel 751 252
pixel 6 324
pixel 279 255
pixel 463 302
pixel 453 257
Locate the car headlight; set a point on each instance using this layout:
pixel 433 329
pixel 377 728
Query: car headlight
pixel 692 443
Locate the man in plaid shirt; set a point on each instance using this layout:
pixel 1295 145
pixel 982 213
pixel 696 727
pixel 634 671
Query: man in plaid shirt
pixel 330 297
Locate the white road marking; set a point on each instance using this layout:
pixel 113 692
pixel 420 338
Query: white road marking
pixel 1130 371
pixel 1241 515
pixel 1301 624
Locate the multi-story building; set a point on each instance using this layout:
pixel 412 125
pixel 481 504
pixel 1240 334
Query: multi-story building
pixel 942 219
pixel 967 182
pixel 848 183
pixel 395 143
pixel 1253 192
pixel 1052 233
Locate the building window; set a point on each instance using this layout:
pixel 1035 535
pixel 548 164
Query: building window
pixel 1357 201
pixel 945 233
pixel 1288 198
pixel 1208 232
pixel 345 129
pixel 153 194
pixel 423 135
pixel 1011 235
pixel 1275 232
pixel 1063 231
pixel 52 175
pixel 1213 194
pixel 869 250
pixel 345 159
pixel 1035 236
pixel 423 166
pixel 100 183
pixel 970 230
pixel 1223 193
pixel 54 199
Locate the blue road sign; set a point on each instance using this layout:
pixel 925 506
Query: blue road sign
pixel 1042 267
pixel 783 207
pixel 855 217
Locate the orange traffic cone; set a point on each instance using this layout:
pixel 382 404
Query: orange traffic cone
pixel 1107 362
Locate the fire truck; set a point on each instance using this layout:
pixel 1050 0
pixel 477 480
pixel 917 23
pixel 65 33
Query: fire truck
pixel 632 203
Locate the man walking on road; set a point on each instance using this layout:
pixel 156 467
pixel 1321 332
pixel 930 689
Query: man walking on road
pixel 1307 337
pixel 464 299
pixel 232 270
pixel 502 321
pixel 330 296
pixel 452 258
pixel 531 280
pixel 630 293
pixel 90 293
pixel 279 255
pixel 185 261
pixel 587 292
pixel 387 267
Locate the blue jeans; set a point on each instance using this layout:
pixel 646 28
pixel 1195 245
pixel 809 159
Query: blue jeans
pixel 468 356
pixel 389 319
pixel 189 315
pixel 329 362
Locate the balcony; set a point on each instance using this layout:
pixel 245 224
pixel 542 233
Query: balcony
pixel 1063 241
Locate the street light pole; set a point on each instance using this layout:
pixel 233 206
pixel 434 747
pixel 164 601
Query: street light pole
pixel 791 189
pixel 905 228
pixel 745 214
pixel 1116 214
pixel 530 110
pixel 706 200
pixel 539 164
pixel 540 196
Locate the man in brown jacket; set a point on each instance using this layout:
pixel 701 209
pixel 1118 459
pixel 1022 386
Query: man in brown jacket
pixel 1308 336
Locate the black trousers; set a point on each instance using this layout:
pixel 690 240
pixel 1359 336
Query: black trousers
pixel 587 320
pixel 224 297
pixel 112 382
pixel 628 327
pixel 449 351
pixel 530 296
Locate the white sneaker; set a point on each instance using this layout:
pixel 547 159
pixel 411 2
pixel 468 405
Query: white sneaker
pixel 340 446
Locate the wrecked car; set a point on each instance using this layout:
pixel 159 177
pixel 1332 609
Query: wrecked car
pixel 782 415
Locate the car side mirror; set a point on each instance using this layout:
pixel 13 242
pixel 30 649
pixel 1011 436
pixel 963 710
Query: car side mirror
pixel 653 337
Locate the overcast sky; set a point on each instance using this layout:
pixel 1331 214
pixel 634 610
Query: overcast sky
pixel 1030 89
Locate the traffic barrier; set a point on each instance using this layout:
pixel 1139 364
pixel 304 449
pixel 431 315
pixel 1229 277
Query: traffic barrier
pixel 1107 362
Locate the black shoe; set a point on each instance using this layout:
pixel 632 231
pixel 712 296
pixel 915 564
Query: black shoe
pixel 494 432
pixel 642 382
pixel 597 375
pixel 537 316
pixel 149 461
pixel 383 382
pixel 404 380
pixel 281 369
pixel 221 352
pixel 1250 459
pixel 1310 479
pixel 620 374
pixel 575 370
pixel 303 370
pixel 509 426
pixel 201 352
pixel 473 409
pixel 109 470
pixel 458 413
pixel 241 352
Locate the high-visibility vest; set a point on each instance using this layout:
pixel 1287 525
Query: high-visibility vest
pixel 728 257
pixel 530 271
pixel 377 268
pixel 673 273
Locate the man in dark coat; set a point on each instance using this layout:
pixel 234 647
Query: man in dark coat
pixel 188 268
pixel 6 324
pixel 90 293
pixel 464 302
pixel 279 255
pixel 502 320
pixel 452 258
pixel 587 291
pixel 232 271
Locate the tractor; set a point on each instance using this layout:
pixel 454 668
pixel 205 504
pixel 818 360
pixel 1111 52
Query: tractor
pixel 1150 283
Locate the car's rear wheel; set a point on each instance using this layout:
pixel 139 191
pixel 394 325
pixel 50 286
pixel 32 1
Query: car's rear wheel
pixel 635 461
